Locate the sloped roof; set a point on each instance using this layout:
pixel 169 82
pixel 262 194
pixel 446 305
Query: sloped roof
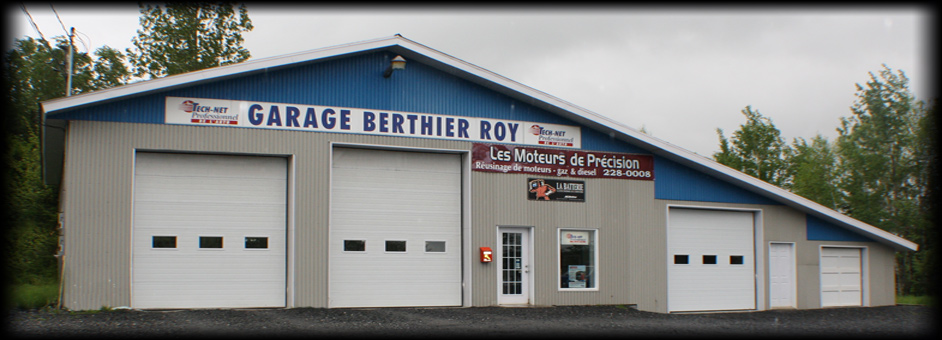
pixel 414 51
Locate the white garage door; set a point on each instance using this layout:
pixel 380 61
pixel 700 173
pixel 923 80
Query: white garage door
pixel 840 277
pixel 711 260
pixel 395 229
pixel 208 231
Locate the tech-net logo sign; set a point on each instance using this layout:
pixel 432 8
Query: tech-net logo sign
pixel 208 114
pixel 552 137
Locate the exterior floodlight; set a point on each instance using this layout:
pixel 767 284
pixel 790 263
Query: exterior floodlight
pixel 398 63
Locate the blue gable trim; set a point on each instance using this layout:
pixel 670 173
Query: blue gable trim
pixel 673 181
pixel 353 81
pixel 819 230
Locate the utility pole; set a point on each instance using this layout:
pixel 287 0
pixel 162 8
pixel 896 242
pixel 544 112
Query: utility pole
pixel 68 83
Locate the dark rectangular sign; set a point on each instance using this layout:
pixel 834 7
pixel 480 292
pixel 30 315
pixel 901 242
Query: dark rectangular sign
pixel 520 159
pixel 548 189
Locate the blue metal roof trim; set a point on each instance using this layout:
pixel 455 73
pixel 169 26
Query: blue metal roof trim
pixel 819 230
pixel 673 181
pixel 350 82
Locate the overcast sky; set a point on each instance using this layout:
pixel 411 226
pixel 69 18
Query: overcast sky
pixel 679 73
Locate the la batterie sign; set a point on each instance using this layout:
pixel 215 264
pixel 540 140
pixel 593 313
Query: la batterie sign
pixel 297 117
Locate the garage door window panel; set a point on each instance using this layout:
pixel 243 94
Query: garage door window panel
pixel 354 246
pixel 395 246
pixel 434 246
pixel 210 242
pixel 256 243
pixel 164 242
pixel 577 259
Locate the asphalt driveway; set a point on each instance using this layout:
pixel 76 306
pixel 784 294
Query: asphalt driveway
pixel 476 322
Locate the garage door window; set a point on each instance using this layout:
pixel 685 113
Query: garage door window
pixel 256 243
pixel 354 245
pixel 210 242
pixel 396 246
pixel 164 242
pixel 577 259
pixel 434 246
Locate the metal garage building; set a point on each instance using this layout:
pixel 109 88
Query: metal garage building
pixel 319 179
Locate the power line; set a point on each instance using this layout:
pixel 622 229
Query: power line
pixel 86 44
pixel 32 22
pixel 60 20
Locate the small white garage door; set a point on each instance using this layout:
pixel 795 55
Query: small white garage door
pixel 841 279
pixel 209 231
pixel 711 260
pixel 395 229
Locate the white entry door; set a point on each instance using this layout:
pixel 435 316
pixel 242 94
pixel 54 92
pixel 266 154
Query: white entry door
pixel 514 265
pixel 782 275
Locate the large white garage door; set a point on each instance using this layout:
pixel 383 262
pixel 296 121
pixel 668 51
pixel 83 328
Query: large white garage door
pixel 208 231
pixel 395 229
pixel 711 260
pixel 840 277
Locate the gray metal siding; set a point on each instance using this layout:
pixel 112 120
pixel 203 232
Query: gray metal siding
pixel 97 195
pixel 619 210
pixel 98 199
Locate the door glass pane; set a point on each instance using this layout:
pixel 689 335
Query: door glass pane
pixel 512 263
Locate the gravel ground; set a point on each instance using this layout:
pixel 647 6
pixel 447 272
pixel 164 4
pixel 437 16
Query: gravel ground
pixel 476 322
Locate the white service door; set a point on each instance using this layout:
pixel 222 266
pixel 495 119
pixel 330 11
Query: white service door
pixel 514 266
pixel 395 229
pixel 782 275
pixel 711 260
pixel 841 279
pixel 209 231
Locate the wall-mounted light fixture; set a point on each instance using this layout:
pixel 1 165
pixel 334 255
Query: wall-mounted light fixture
pixel 398 63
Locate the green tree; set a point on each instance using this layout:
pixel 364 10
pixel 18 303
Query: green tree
pixel 756 149
pixel 35 71
pixel 926 271
pixel 109 69
pixel 879 150
pixel 812 171
pixel 183 37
